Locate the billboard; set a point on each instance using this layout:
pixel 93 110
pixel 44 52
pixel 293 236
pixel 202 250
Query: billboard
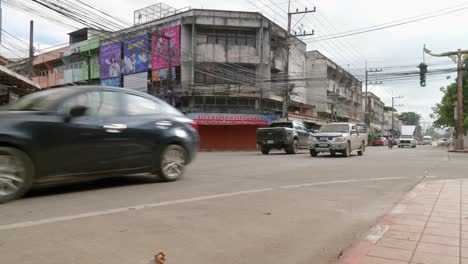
pixel 110 61
pixel 159 48
pixel 136 55
pixel 162 74
pixel 138 82
pixel 112 82
pixel 232 119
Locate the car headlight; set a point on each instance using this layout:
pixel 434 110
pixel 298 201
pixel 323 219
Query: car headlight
pixel 339 139
pixel 313 139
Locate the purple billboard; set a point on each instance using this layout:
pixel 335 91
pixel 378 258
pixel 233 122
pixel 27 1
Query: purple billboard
pixel 110 61
pixel 159 48
pixel 136 55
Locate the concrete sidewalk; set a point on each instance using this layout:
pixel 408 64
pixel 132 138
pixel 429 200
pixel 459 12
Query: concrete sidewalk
pixel 429 226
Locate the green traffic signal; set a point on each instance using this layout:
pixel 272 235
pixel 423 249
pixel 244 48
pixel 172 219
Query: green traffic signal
pixel 423 84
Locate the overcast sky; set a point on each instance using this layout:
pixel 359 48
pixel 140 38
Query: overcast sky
pixel 389 47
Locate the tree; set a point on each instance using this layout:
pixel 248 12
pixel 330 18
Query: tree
pixel 444 111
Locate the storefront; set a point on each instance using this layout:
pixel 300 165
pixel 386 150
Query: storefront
pixel 223 131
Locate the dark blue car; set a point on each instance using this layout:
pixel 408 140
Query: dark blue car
pixel 80 133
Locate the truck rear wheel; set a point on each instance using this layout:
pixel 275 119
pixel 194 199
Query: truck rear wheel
pixel 293 148
pixel 347 151
pixel 313 153
pixel 265 150
pixel 362 150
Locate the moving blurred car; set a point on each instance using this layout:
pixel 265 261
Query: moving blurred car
pixel 80 133
pixel 427 140
pixel 380 141
pixel 443 142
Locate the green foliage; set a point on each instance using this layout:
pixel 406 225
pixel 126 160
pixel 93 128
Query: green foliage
pixel 411 118
pixel 444 111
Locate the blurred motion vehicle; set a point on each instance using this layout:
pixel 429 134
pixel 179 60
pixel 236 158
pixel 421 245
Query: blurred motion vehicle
pixel 337 138
pixel 80 133
pixel 379 141
pixel 288 135
pixel 427 140
pixel 443 142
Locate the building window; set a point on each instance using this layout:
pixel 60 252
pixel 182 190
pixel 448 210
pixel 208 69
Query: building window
pixel 227 37
pixel 223 74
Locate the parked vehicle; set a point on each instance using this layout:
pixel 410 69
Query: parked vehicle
pixel 427 140
pixel 380 141
pixel 81 133
pixel 407 137
pixel 288 135
pixel 338 138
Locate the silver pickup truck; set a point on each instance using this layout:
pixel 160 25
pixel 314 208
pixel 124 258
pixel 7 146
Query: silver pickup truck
pixel 341 138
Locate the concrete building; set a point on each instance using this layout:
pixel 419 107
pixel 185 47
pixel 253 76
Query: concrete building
pixel 225 69
pixel 375 111
pixel 391 127
pixel 335 93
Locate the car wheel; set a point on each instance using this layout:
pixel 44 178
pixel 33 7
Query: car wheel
pixel 265 150
pixel 362 150
pixel 333 153
pixel 313 153
pixel 293 148
pixel 347 151
pixel 172 164
pixel 16 173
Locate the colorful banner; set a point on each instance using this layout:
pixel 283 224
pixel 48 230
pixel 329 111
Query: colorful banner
pixel 162 74
pixel 110 61
pixel 232 119
pixel 136 55
pixel 112 82
pixel 159 48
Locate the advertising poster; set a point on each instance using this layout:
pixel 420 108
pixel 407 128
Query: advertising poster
pixel 110 61
pixel 136 55
pixel 162 74
pixel 232 119
pixel 159 48
pixel 112 82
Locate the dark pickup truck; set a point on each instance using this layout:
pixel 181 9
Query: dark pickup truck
pixel 288 135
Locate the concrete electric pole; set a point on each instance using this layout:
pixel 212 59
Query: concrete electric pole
pixel 393 111
pixel 459 58
pixel 289 87
pixel 366 104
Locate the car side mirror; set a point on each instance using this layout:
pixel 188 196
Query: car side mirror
pixel 75 112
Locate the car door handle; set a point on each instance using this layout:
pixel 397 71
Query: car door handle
pixel 114 128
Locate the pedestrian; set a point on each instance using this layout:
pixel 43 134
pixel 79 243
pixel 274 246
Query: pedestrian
pixel 390 142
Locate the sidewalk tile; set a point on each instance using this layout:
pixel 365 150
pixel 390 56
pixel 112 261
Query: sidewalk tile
pixel 442 240
pixel 464 242
pixel 444 226
pixel 428 258
pixel 448 220
pixel 441 232
pixel 391 253
pixel 438 249
pixel 375 260
pixel 407 228
pixel 445 214
pixel 410 222
pixel 402 235
pixel 397 243
pixel 414 217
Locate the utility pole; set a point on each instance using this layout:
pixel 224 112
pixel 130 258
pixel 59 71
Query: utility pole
pixel 459 57
pixel 1 23
pixel 289 87
pixel 366 104
pixel 31 48
pixel 393 111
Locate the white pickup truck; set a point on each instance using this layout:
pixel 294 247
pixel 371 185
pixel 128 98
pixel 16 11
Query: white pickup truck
pixel 341 138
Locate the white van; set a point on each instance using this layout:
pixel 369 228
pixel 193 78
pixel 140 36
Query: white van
pixel 427 140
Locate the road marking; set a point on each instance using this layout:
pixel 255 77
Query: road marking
pixel 180 201
pixel 376 233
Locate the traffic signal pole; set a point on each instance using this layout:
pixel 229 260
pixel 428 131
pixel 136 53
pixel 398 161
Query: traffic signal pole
pixel 458 57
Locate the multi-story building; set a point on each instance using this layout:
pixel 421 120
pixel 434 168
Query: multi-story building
pixel 335 93
pixel 375 111
pixel 392 125
pixel 227 70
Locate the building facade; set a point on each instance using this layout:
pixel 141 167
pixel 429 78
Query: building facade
pixel 375 111
pixel 335 93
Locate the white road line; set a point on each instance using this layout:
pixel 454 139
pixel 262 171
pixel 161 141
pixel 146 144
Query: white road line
pixel 180 201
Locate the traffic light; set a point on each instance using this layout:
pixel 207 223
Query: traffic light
pixel 422 74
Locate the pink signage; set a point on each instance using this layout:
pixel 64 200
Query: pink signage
pixel 160 50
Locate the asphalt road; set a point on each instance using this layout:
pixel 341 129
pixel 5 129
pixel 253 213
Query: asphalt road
pixel 231 207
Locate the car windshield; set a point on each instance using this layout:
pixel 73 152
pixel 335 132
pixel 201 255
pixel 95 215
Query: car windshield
pixel 334 128
pixel 406 136
pixel 285 124
pixel 427 138
pixel 39 101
